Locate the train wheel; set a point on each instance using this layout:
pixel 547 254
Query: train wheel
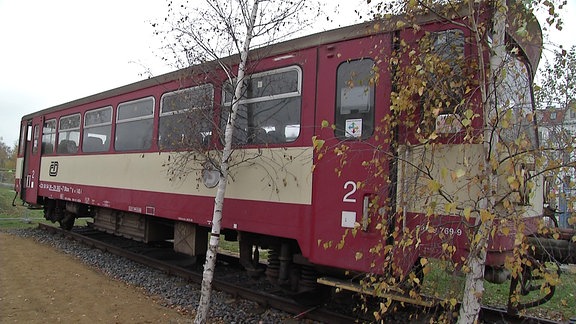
pixel 67 222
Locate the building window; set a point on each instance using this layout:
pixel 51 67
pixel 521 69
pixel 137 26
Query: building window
pixel 269 109
pixel 134 125
pixel 69 134
pixel 97 130
pixel 186 118
pixel 355 85
pixel 49 136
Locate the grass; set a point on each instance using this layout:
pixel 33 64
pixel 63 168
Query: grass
pixel 16 216
pixel 562 306
pixel 19 216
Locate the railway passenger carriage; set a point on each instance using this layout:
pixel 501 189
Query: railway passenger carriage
pixel 105 156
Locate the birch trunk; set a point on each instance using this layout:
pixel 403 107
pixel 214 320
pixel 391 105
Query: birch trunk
pixel 210 264
pixel 474 285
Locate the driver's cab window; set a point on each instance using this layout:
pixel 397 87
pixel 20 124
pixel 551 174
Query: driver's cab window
pixel 355 85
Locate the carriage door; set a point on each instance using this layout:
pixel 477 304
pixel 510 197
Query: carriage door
pixel 353 96
pixel 31 165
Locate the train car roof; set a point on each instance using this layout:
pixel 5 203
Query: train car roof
pixel 387 24
pixel 335 35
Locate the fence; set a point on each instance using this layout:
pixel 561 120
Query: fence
pixel 7 178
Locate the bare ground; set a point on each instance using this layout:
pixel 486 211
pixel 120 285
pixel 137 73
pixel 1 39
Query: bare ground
pixel 39 284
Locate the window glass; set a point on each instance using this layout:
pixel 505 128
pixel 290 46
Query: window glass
pixel 36 135
pixel 134 125
pixel 69 134
pixel 24 133
pixel 269 110
pixel 355 84
pixel 515 99
pixel 186 118
pixel 443 66
pixel 97 130
pixel 49 136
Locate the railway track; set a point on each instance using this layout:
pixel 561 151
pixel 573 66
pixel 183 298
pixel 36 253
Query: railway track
pixel 262 298
pixel 97 240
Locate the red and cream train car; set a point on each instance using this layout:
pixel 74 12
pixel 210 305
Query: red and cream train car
pixel 105 156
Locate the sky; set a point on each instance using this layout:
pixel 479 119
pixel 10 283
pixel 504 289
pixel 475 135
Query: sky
pixel 56 51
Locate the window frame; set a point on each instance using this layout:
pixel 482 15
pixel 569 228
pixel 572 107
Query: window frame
pixel 54 132
pixel 341 133
pixel 120 122
pixel 208 87
pixel 448 120
pixel 62 130
pixel 88 127
pixel 255 100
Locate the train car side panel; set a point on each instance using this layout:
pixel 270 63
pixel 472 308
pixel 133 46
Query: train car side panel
pixel 353 95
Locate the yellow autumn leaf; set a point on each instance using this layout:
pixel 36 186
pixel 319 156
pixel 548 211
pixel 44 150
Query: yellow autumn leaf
pixel 467 212
pixel 420 90
pixel 317 143
pixel 459 173
pixel 486 215
pixel 434 185
pixel 513 182
pixel 450 208
pixel 443 173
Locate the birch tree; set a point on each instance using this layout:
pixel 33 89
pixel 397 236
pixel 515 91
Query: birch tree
pixel 508 141
pixel 212 38
pixel 472 149
pixel 474 284
pixel 210 265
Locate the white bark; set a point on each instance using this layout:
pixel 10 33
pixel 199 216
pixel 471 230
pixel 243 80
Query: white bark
pixel 474 285
pixel 209 266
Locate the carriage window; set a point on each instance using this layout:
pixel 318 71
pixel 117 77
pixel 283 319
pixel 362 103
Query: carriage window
pixel 49 136
pixel 97 130
pixel 443 61
pixel 186 118
pixel 269 110
pixel 24 136
pixel 69 134
pixel 517 105
pixel 134 125
pixel 355 86
pixel 36 135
